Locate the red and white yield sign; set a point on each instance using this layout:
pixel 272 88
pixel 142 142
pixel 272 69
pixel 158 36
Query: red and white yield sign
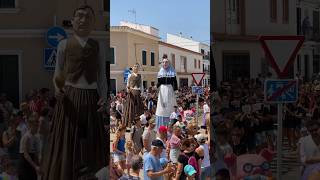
pixel 197 77
pixel 281 51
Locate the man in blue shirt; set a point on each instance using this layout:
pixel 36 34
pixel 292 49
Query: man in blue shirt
pixel 152 169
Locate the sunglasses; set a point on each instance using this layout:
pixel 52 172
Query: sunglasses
pixel 248 167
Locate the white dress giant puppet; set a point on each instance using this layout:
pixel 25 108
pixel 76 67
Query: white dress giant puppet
pixel 167 85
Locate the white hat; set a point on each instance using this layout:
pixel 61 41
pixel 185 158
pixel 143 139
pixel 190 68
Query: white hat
pixel 201 137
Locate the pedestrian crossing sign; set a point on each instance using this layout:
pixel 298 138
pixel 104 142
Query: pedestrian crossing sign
pixel 50 56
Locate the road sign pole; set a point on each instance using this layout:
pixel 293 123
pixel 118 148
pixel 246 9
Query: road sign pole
pixel 279 141
pixel 197 115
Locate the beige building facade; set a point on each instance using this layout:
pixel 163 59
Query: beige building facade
pixel 128 47
pixel 23 39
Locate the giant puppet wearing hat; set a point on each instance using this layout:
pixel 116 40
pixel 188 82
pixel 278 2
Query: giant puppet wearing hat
pixel 167 85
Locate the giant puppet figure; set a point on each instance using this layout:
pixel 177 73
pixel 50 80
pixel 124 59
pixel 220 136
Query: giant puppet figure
pixel 134 106
pixel 167 85
pixel 77 145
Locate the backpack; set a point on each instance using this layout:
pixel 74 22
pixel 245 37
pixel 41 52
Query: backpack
pixel 193 162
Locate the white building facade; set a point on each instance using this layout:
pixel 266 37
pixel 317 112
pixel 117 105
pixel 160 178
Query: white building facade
pixel 183 60
pixel 237 25
pixel 196 46
pixel 308 60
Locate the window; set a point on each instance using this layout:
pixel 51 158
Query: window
pixel 306 66
pixel 299 21
pixel 273 10
pixel 106 5
pixel 299 63
pixel 7 4
pixel 233 5
pixel 195 63
pixel 173 60
pixel 145 84
pixel 144 57
pixel 112 54
pixel 316 23
pixel 285 5
pixel 238 11
pixel 203 68
pixel 199 64
pixel 113 86
pixel 9 77
pixel 152 58
pixel 183 64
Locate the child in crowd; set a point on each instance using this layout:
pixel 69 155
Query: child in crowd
pixel 119 148
pixel 129 154
pixel 29 151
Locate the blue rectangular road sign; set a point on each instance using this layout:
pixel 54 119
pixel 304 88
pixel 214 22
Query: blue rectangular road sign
pixel 49 61
pixel 197 90
pixel 281 91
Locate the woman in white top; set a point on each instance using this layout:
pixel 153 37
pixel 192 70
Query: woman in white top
pixel 203 152
pixel 167 85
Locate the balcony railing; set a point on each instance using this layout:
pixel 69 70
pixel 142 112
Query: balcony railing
pixel 206 57
pixel 207 71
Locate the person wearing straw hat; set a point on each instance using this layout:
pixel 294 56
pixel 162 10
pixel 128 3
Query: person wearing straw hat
pixel 167 85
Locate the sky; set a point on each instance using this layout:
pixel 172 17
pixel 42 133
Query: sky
pixel 191 17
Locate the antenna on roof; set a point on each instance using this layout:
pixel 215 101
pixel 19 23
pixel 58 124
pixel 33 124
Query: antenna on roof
pixel 134 12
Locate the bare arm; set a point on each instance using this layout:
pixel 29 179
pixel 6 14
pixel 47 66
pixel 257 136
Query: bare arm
pixel 6 140
pixel 153 175
pixel 179 171
pixel 146 144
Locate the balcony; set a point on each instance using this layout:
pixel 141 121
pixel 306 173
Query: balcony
pixel 206 57
pixel 207 71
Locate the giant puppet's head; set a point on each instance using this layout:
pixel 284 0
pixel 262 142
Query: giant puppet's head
pixel 250 165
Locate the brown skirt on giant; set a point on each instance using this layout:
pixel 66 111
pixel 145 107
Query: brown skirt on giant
pixel 133 107
pixel 77 143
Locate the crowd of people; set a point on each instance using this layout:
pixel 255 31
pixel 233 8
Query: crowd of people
pixel 237 142
pixel 179 150
pixel 24 132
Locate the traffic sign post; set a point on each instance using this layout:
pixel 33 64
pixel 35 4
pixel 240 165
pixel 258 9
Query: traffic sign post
pixel 126 74
pixel 49 59
pixel 55 35
pixel 281 91
pixel 281 52
pixel 197 77
pixel 197 90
